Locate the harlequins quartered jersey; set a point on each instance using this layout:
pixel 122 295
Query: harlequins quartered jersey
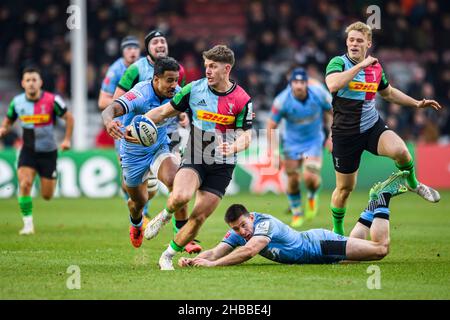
pixel 37 119
pixel 212 113
pixel 354 109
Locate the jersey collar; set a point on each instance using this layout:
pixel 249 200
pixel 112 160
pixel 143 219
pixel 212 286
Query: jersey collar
pixel 351 60
pixel 217 93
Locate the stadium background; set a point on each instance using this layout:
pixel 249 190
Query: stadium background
pixel 268 38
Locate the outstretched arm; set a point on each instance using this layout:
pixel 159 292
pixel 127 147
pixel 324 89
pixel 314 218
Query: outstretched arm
pixel 108 115
pixel 394 95
pixel 219 251
pixel 239 255
pixel 164 111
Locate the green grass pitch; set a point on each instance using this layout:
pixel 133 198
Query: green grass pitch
pixel 93 235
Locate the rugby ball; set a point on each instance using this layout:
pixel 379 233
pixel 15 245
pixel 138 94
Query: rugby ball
pixel 144 130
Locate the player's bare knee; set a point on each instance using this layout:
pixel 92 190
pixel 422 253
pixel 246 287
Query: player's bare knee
pixel 343 192
pixel 402 155
pixel 382 250
pixel 179 199
pixel 25 186
pixel 47 196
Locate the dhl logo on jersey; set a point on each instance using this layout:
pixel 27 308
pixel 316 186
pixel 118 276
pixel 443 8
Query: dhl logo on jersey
pixel 36 118
pixel 363 86
pixel 215 117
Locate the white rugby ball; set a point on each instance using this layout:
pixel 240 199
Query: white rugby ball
pixel 144 130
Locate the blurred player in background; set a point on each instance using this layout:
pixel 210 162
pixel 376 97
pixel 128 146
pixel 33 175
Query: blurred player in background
pixel 156 47
pixel 36 110
pixel 138 161
pixel 131 52
pixel 354 80
pixel 255 233
pixel 305 107
pixel 221 120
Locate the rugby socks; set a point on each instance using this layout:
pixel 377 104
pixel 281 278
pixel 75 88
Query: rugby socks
pixel 172 249
pixel 26 206
pixel 411 179
pixel 295 203
pixel 136 222
pixel 145 210
pixel 382 209
pixel 177 224
pixel 338 220
pixel 366 217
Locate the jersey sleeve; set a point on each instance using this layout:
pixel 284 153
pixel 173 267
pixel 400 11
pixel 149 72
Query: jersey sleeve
pixel 265 227
pixel 133 100
pixel 130 78
pixel 244 119
pixel 384 83
pixel 110 82
pixel 12 114
pixel 276 113
pixel 325 97
pixel 59 106
pixel 335 65
pixel 233 239
pixel 180 101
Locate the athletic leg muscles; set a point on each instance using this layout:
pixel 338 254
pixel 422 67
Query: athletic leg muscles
pixel 205 204
pixel 185 184
pixel 138 198
pixel 25 175
pixel 392 146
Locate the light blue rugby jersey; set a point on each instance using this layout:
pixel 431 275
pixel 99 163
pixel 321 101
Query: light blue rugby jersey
pixel 286 245
pixel 112 78
pixel 139 100
pixel 303 118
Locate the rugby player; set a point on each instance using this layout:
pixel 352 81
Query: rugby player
pixel 354 80
pixel 255 233
pixel 305 107
pixel 221 119
pixel 156 47
pixel 36 110
pixel 137 161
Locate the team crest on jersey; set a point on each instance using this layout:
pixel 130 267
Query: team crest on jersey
pixel 228 235
pixel 363 86
pixel 130 96
pixel 262 227
pixel 215 117
pixel 230 106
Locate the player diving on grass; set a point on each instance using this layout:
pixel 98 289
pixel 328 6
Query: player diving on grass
pixel 36 110
pixel 155 44
pixel 221 121
pixel 255 233
pixel 305 108
pixel 354 80
pixel 138 161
